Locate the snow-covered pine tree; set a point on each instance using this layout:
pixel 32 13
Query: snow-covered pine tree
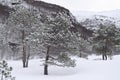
pixel 56 40
pixel 5 71
pixel 22 23
pixel 81 45
pixel 105 39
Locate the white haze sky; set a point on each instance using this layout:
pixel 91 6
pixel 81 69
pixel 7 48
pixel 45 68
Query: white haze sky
pixel 87 5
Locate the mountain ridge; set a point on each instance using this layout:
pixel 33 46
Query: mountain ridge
pixel 87 14
pixel 91 20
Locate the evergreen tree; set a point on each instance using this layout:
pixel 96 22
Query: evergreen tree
pixel 81 45
pixel 56 37
pixel 105 38
pixel 5 71
pixel 22 23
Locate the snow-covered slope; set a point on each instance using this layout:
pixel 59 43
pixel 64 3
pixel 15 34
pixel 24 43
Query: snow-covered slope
pixel 85 70
pixel 82 15
pixel 112 13
pixel 93 19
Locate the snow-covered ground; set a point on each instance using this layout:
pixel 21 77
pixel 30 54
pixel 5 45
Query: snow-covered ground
pixel 91 69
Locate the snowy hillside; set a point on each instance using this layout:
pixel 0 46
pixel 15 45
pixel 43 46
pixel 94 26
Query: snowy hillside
pixel 113 13
pixel 82 15
pixel 92 20
pixel 85 70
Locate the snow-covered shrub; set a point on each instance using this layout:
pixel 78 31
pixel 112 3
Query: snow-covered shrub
pixel 5 71
pixel 65 60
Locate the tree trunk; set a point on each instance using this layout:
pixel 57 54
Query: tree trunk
pixel 24 56
pixel 104 56
pixel 24 49
pixel 80 54
pixel 45 69
pixel 46 62
pixel 106 49
pixel 28 55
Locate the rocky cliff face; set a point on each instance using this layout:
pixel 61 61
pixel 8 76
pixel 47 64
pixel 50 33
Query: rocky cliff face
pixel 47 6
pixel 51 10
pixel 4 12
pixel 45 10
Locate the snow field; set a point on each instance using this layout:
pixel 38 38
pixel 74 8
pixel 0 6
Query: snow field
pixel 85 70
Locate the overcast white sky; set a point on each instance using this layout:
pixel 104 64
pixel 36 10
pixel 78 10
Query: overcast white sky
pixel 88 5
